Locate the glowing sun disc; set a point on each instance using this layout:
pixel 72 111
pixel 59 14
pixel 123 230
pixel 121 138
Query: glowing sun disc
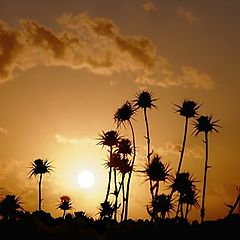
pixel 86 179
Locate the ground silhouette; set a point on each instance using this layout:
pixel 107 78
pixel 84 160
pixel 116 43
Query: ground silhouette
pixel 41 225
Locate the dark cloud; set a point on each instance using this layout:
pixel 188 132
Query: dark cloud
pixel 39 36
pixel 10 49
pixel 94 44
pixel 149 7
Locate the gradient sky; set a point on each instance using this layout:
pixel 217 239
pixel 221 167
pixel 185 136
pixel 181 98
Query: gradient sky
pixel 66 66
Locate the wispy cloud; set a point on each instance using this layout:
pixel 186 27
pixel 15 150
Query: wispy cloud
pixel 11 167
pixel 171 148
pixel 149 7
pixel 163 75
pixel 187 15
pixel 94 44
pixel 75 141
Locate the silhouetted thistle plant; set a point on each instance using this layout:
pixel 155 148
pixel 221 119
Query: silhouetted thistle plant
pixel 206 125
pixel 144 100
pixel 188 109
pixel 190 199
pixel 120 149
pixel 106 210
pixel 156 171
pixel 114 162
pixel 184 185
pixel 160 207
pixel 9 206
pixel 124 114
pixel 40 167
pixel 109 139
pixel 65 204
pixel 124 167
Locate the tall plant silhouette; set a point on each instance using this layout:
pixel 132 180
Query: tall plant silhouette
pixel 40 167
pixel 124 166
pixel 109 139
pixel 145 101
pixel 65 204
pixel 124 114
pixel 188 109
pixel 206 125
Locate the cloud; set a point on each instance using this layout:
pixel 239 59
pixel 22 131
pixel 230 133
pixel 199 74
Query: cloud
pixel 187 15
pixel 195 151
pixel 75 141
pixel 162 75
pixel 10 170
pixel 149 7
pixel 190 76
pixel 191 151
pixel 94 44
pixel 10 49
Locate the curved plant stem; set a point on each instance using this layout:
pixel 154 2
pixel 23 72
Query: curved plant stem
pixel 130 173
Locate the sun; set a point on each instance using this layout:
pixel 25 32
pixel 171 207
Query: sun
pixel 86 179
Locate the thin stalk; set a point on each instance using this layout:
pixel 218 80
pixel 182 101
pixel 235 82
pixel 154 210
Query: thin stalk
pixel 181 157
pixel 123 196
pixel 157 189
pixel 183 145
pixel 109 183
pixel 148 149
pixel 115 193
pixel 130 173
pixel 64 213
pixel 148 134
pixel 205 178
pixel 40 193
pixel 109 176
pixel 178 207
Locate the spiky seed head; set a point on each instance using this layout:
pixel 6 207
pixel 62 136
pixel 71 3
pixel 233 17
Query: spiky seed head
pixel 205 124
pixel 144 100
pixel 188 108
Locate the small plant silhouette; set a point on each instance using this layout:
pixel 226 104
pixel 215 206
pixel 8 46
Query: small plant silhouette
pixel 161 206
pixel 9 206
pixel 40 167
pixel 184 185
pixel 65 204
pixel 106 210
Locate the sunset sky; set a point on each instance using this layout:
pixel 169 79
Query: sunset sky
pixel 66 66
